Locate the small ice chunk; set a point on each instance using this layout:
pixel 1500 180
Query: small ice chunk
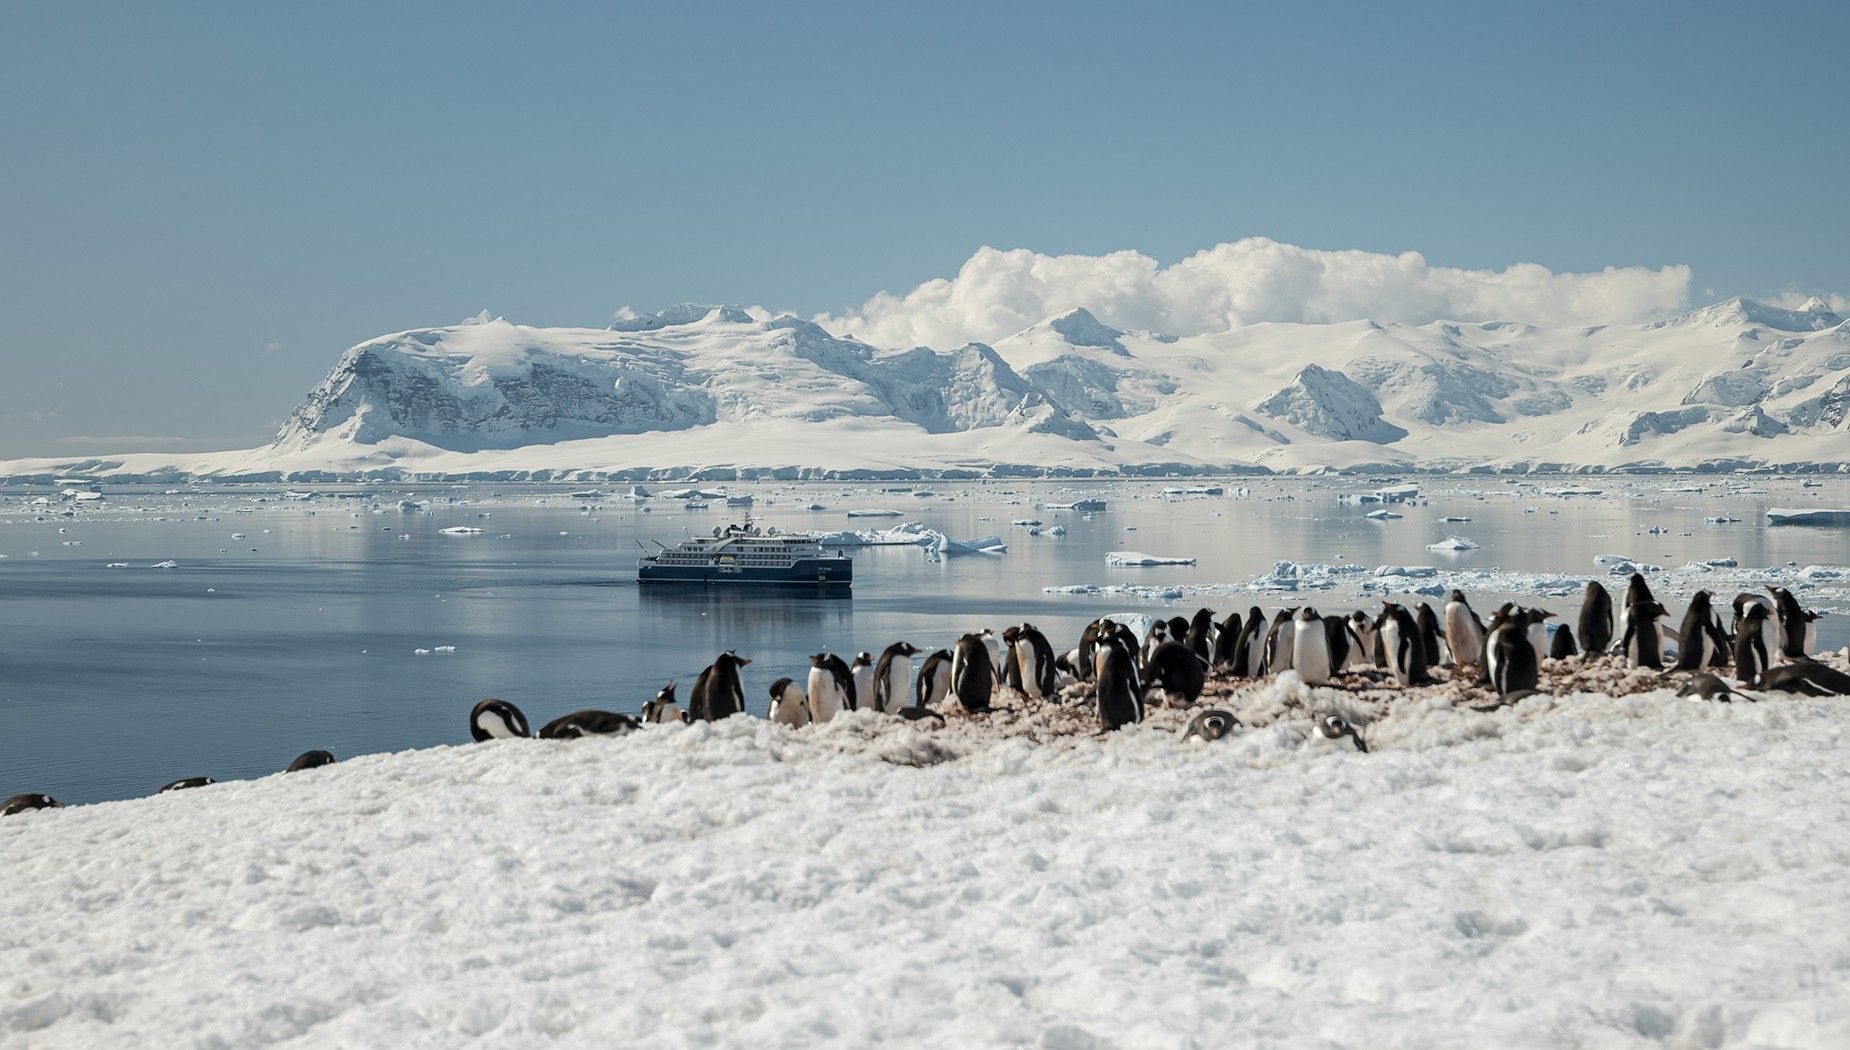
pixel 1138 559
pixel 1452 543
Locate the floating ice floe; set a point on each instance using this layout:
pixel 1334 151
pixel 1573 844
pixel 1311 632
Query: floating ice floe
pixel 1089 506
pixel 940 544
pixel 412 505
pixel 911 533
pixel 1817 516
pixel 165 565
pixel 1138 559
pixel 1028 522
pixel 1383 515
pixel 873 512
pixel 111 565
pixel 462 530
pixel 1452 543
pixel 1720 519
pixel 1406 570
pixel 1057 530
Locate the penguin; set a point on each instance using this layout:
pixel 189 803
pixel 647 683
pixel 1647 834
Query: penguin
pixel 663 710
pixel 1806 677
pixel 494 719
pixel 23 803
pixel 1397 639
pixel 1210 724
pixel 1642 644
pixel 1769 625
pixel 589 723
pixel 1251 660
pixel 1177 671
pixel 718 692
pixel 789 707
pixel 1751 653
pixel 1034 663
pixel 1797 628
pixel 1310 647
pixel 1336 634
pixel 1361 639
pixel 1278 642
pixel 1636 590
pixel 1698 634
pixel 1705 686
pixel 1120 692
pixel 862 670
pixel 1595 620
pixel 1335 729
pixel 973 675
pixel 1464 632
pixel 996 653
pixel 184 783
pixel 1087 652
pixel 1538 632
pixel 1159 633
pixel 934 682
pixel 893 678
pixel 1178 630
pixel 1561 646
pixel 1200 636
pixel 831 687
pixel 1010 667
pixel 1225 658
pixel 1430 637
pixel 1511 658
pixel 310 760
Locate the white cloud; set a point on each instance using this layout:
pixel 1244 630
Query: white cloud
pixel 997 293
pixel 1838 304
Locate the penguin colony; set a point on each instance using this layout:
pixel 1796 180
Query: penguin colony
pixel 1764 645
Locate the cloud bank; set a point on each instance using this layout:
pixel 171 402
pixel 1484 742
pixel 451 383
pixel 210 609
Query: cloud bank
pixel 997 293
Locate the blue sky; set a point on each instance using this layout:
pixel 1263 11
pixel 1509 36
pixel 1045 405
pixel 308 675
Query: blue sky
pixel 204 204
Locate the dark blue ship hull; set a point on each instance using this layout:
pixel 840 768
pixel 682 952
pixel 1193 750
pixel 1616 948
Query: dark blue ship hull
pixel 831 574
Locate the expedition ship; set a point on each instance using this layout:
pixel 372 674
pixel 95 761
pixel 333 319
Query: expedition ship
pixel 739 555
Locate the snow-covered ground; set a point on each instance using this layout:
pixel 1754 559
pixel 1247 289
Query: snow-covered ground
pixel 1582 871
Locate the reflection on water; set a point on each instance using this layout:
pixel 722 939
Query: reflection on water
pixel 116 680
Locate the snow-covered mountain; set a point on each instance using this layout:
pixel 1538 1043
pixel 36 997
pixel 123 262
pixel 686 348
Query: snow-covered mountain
pixel 715 390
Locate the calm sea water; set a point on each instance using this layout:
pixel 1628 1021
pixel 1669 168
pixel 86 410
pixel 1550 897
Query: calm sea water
pixel 302 630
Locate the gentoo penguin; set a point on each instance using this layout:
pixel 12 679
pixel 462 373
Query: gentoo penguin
pixel 1335 729
pixel 1310 647
pixel 1086 654
pixel 934 682
pixel 1635 591
pixel 1397 638
pixel 663 710
pixel 1705 686
pixel 185 782
pixel 1510 658
pixel 1642 644
pixel 973 676
pixel 1120 691
pixel 862 670
pixel 1752 656
pixel 718 692
pixel 1561 645
pixel 1336 631
pixel 789 707
pixel 1464 632
pixel 1806 677
pixel 996 654
pixel 1538 632
pixel 1797 629
pixel 1595 620
pixel 831 687
pixel 1178 630
pixel 1200 637
pixel 893 678
pixel 1009 670
pixel 1176 670
pixel 22 803
pixel 1033 658
pixel 310 760
pixel 1226 655
pixel 1769 624
pixel 1210 724
pixel 1251 660
pixel 495 719
pixel 1278 642
pixel 1361 639
pixel 1699 641
pixel 1430 638
pixel 588 723
pixel 1159 633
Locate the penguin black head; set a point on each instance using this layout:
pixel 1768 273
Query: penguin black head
pixel 1307 614
pixel 1211 724
pixel 737 660
pixel 1009 634
pixel 819 660
pixel 494 719
pixel 666 696
pixel 310 760
pixel 1457 596
pixel 1538 615
pixel 22 803
pixel 863 658
pixel 908 649
pixel 1335 727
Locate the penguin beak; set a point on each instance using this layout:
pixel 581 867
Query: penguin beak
pixel 742 661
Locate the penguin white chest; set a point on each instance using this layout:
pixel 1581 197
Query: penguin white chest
pixel 1310 652
pixel 1030 670
pixel 825 697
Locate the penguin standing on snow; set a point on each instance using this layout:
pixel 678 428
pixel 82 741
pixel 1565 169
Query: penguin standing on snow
pixel 588 723
pixel 1430 638
pixel 1769 624
pixel 1595 620
pixel 1034 663
pixel 789 707
pixel 1464 632
pixel 1120 691
pixel 28 802
pixel 718 691
pixel 973 676
pixel 1250 662
pixel 494 719
pixel 862 669
pixel 1310 648
pixel 1084 657
pixel 1336 632
pixel 996 653
pixel 1637 590
pixel 1561 645
pixel 1361 632
pixel 1751 654
pixel 1538 632
pixel 1177 671
pixel 1226 655
pixel 1511 659
pixel 310 760
pixel 934 682
pixel 1278 642
pixel 1699 642
pixel 663 709
pixel 831 687
pixel 1397 638
pixel 1797 628
pixel 893 677
pixel 1159 633
pixel 1642 642
pixel 1200 637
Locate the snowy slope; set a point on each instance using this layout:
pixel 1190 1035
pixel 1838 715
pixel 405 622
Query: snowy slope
pixel 695 388
pixel 1582 871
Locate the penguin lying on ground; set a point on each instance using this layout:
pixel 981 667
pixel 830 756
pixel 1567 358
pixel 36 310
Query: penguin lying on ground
pixel 184 783
pixel 1807 677
pixel 1706 686
pixel 1335 729
pixel 588 723
pixel 1211 724
pixel 310 760
pixel 23 803
pixel 494 719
